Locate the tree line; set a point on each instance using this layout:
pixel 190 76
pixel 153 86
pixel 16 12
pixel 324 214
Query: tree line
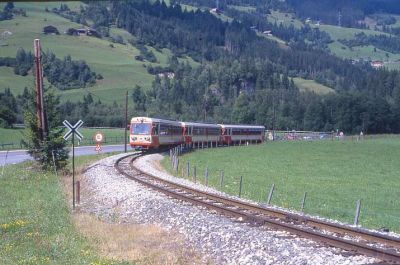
pixel 253 93
pixel 383 42
pixel 63 74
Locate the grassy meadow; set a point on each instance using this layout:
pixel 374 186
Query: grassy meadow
pixel 312 86
pixel 336 33
pixel 36 226
pixel 116 64
pixel 112 136
pixel 335 174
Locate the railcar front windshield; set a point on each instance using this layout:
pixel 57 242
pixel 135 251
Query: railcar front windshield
pixel 141 128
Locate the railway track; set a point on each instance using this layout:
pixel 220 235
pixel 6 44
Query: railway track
pixel 357 240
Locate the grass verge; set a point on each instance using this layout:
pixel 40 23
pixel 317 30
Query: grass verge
pixel 35 221
pixel 38 227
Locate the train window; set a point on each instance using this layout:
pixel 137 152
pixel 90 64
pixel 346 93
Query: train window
pixel 213 131
pixel 197 131
pixel 141 128
pixel 235 131
pixel 163 129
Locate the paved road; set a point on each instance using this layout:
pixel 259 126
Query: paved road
pixel 17 156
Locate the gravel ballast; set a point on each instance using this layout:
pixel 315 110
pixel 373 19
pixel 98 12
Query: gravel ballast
pixel 114 197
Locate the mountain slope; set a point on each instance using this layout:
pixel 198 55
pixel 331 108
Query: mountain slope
pixel 116 64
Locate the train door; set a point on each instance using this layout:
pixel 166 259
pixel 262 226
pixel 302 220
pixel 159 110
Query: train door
pixel 155 135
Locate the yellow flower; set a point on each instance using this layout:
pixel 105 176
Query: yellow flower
pixel 85 252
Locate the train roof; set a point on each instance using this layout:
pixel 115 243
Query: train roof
pixel 148 119
pixel 233 126
pixel 204 125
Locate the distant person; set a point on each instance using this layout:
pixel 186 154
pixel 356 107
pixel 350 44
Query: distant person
pixel 270 136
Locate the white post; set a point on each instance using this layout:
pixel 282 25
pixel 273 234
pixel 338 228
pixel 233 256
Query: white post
pixel 4 165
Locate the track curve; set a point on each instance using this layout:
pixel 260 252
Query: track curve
pixel 362 241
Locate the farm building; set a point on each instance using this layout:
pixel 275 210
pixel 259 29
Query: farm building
pixel 376 64
pixel 50 30
pixel 267 32
pixel 216 11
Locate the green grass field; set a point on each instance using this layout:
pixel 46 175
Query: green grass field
pixel 243 8
pixel 35 221
pixel 286 19
pixel 112 136
pixel 312 86
pixel 336 33
pixel 335 174
pixel 117 65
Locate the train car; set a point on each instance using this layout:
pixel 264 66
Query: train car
pixel 242 134
pixel 150 133
pixel 201 134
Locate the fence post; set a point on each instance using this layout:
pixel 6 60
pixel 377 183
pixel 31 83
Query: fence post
pixel 177 165
pixel 194 174
pixel 271 191
pixel 240 186
pixel 222 179
pixel 4 165
pixel 188 169
pixel 358 206
pixel 303 201
pixel 78 192
pixel 206 176
pixel 54 162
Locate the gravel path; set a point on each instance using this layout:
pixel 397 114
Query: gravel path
pixel 116 198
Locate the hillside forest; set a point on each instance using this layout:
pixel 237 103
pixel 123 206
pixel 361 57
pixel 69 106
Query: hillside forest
pixel 239 75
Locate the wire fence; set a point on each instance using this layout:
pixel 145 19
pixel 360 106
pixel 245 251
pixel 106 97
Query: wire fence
pixel 362 209
pixel 108 140
pixel 271 135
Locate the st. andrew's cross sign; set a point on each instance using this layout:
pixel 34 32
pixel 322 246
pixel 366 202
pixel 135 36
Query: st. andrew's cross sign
pixel 73 130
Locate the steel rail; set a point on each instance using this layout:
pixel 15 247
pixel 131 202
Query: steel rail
pixel 310 221
pixel 265 219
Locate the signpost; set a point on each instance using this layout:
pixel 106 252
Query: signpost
pixel 73 130
pixel 98 137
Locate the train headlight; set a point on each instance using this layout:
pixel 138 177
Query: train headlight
pixel 147 139
pixel 134 138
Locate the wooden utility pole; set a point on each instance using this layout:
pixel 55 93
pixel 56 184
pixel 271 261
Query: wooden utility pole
pixel 126 120
pixel 40 111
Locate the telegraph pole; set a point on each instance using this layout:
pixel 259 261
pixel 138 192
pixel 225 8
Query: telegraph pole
pixel 40 111
pixel 126 120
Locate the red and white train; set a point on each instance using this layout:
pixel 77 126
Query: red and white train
pixel 151 133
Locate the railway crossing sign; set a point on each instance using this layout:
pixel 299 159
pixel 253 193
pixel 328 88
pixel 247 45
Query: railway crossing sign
pixel 73 129
pixel 98 148
pixel 98 137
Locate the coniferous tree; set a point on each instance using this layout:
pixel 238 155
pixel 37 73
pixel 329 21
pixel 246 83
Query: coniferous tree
pixel 53 144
